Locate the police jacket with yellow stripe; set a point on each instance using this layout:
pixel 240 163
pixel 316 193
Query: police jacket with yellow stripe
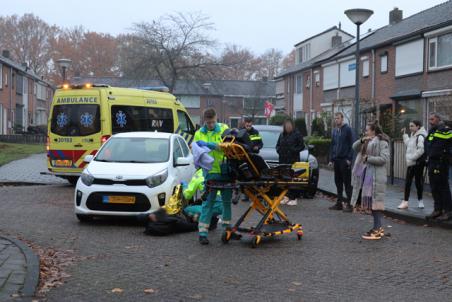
pixel 438 144
pixel 256 139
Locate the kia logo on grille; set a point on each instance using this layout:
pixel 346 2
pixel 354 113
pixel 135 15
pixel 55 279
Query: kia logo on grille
pixel 119 177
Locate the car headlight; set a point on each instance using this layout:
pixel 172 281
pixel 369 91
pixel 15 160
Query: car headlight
pixel 87 178
pixel 157 179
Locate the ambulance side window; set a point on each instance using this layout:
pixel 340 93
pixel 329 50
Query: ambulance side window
pixel 185 124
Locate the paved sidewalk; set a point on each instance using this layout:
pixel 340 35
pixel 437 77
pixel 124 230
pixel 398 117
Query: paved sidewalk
pixel 394 195
pixel 19 270
pixel 28 170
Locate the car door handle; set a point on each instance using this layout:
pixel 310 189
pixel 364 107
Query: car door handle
pixel 78 145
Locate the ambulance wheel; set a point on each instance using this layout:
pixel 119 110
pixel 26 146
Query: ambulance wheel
pixel 84 218
pixel 226 236
pixel 255 242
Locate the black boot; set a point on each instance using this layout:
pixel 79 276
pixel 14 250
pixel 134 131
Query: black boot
pixel 347 208
pixel 435 214
pixel 337 206
pixel 203 240
pixel 445 217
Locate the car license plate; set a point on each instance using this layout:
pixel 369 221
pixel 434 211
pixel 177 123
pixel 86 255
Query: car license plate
pixel 119 199
pixel 62 163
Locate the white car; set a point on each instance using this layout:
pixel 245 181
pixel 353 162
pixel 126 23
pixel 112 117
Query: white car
pixel 132 173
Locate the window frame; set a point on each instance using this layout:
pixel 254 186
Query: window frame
pixel 191 128
pixel 176 145
pixel 434 41
pixel 184 146
pixel 384 55
pixel 365 62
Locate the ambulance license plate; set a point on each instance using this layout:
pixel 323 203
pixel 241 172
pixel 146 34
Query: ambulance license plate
pixel 62 163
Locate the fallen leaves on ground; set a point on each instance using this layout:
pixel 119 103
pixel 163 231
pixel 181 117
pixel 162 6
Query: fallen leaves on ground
pixel 117 290
pixel 149 290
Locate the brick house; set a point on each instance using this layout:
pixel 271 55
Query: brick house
pixel 25 98
pixel 231 99
pixel 406 65
pixel 301 85
pixel 405 71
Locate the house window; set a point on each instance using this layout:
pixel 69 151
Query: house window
pixel 317 78
pixel 365 64
pixel 304 53
pixel 440 49
pixel 384 63
pixel 299 82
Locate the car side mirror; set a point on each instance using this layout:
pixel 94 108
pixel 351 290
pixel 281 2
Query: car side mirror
pixel 88 158
pixel 182 161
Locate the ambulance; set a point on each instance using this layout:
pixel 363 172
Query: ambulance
pixel 83 117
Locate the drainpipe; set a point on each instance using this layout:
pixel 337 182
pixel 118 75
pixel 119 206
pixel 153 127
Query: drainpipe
pixel 310 101
pixel 11 117
pixel 372 93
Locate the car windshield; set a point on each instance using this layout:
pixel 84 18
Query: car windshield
pixel 134 150
pixel 269 138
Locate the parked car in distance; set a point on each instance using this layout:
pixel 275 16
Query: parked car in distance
pixel 270 135
pixel 133 172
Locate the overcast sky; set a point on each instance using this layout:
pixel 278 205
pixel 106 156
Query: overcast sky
pixel 255 24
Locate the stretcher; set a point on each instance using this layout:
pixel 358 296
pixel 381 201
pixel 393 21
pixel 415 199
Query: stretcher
pixel 265 186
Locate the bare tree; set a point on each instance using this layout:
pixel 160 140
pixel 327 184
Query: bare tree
pixel 91 53
pixel 289 59
pixel 269 64
pixel 29 40
pixel 172 47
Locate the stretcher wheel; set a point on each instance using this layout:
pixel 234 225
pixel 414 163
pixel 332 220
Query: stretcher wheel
pixel 256 240
pixel 299 235
pixel 226 236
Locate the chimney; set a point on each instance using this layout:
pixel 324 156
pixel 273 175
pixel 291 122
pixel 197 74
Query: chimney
pixel 5 53
pixel 395 16
pixel 336 40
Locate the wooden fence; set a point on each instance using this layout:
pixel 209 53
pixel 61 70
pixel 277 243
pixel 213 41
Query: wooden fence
pixel 24 138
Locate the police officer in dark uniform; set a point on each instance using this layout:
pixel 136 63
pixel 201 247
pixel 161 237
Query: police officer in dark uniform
pixel 256 139
pixel 438 146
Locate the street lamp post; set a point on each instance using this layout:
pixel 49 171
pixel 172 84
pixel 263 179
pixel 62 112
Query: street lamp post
pixel 64 65
pixel 357 16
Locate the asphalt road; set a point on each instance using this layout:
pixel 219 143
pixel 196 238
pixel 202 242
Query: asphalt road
pixel 331 263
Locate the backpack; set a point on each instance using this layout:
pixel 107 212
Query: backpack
pixel 423 159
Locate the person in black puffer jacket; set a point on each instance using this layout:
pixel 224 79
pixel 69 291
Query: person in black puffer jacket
pixel 290 144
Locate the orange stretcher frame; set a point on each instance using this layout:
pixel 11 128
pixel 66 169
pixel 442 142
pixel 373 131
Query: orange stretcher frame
pixel 274 221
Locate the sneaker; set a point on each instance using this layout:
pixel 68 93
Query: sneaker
pixel 337 207
pixel 403 205
pixel 203 240
pixel 292 202
pixel 373 234
pixel 421 204
pixel 445 217
pixel 285 200
pixel 435 214
pixel 347 208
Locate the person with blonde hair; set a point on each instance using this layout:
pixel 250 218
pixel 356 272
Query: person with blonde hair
pixel 369 176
